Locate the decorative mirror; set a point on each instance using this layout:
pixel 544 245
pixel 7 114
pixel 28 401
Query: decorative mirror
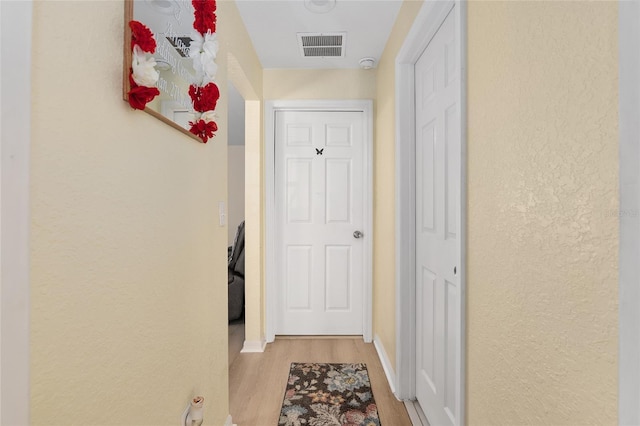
pixel 169 63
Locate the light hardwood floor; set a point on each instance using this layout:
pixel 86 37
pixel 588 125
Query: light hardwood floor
pixel 236 339
pixel 258 380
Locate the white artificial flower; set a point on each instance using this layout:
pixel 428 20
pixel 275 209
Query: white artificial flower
pixel 209 116
pixel 143 65
pixel 203 51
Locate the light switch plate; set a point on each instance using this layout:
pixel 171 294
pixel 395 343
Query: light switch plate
pixel 221 213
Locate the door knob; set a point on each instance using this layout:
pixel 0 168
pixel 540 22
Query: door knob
pixel 357 234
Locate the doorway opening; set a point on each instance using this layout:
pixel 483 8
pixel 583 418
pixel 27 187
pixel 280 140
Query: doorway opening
pixel 302 139
pixel 235 222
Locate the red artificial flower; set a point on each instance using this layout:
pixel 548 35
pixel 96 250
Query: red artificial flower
pixel 203 130
pixel 140 96
pixel 142 36
pixel 204 98
pixel 204 14
pixel 204 5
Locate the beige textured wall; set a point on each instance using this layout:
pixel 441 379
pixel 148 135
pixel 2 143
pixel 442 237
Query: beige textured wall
pixel 280 84
pixel 128 263
pixel 235 185
pixel 384 280
pixel 542 229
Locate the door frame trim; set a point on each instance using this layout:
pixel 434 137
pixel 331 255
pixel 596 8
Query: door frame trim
pixel 629 232
pixel 425 26
pixel 271 229
pixel 15 142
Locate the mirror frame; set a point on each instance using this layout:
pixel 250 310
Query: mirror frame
pixel 126 69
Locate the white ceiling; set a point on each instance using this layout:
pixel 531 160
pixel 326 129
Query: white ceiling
pixel 273 26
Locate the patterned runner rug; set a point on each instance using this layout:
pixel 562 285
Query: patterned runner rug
pixel 329 395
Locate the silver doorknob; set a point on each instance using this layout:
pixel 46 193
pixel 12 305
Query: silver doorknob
pixel 357 234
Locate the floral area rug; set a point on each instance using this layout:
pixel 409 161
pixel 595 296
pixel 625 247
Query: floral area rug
pixel 329 395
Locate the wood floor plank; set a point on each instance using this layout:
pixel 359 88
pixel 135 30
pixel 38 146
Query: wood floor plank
pixel 258 381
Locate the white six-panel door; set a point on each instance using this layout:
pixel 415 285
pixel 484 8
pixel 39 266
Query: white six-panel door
pixel 319 183
pixel 437 215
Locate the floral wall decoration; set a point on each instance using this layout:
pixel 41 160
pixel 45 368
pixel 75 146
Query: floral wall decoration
pixel 203 50
pixel 143 75
pixel 170 63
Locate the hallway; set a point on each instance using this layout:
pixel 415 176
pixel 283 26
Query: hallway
pixel 115 224
pixel 257 380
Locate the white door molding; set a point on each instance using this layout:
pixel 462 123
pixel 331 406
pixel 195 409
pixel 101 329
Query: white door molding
pixel 271 107
pixel 629 214
pixel 425 26
pixel 15 119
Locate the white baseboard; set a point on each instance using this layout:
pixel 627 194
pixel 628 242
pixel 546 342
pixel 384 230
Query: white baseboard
pixel 386 364
pixel 253 346
pixel 229 422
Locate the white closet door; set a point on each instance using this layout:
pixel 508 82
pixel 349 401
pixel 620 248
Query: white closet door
pixel 438 301
pixel 319 207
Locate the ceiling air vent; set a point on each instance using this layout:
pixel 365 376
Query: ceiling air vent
pixel 322 44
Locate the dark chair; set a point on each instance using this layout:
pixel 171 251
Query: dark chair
pixel 235 275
